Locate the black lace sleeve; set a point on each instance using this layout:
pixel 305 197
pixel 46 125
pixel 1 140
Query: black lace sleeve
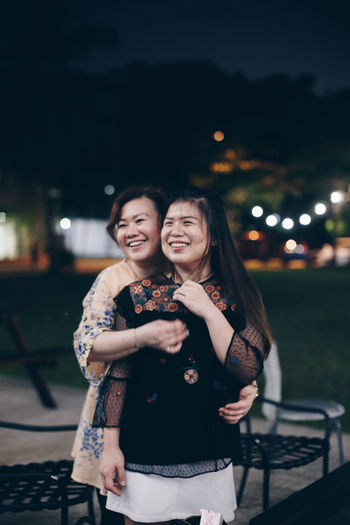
pixel 109 407
pixel 245 354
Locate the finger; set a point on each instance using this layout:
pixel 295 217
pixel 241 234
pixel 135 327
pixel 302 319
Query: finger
pixel 240 405
pixel 119 476
pixel 112 486
pixel 232 412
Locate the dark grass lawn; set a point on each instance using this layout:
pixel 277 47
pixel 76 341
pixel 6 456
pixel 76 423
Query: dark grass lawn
pixel 308 312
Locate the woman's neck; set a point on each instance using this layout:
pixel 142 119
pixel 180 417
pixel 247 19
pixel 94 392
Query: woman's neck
pixel 198 275
pixel 144 269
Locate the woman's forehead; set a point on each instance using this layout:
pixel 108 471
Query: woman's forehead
pixel 182 209
pixel 142 205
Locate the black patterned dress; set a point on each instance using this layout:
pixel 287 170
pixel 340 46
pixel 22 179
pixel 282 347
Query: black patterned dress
pixel 167 405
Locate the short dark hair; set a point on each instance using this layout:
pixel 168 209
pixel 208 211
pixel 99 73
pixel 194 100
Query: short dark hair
pixel 224 257
pixel 136 192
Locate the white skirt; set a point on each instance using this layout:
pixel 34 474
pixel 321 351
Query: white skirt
pixel 150 498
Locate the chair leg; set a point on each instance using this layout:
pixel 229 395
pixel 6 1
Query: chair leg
pixel 325 462
pixel 266 488
pixel 242 485
pixel 64 508
pixel 337 424
pixel 91 507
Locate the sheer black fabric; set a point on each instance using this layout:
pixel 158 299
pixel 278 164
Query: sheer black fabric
pixel 184 470
pixel 112 393
pixel 245 355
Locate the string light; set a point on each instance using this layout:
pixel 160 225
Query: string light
pixel 305 219
pixel 287 223
pixel 257 211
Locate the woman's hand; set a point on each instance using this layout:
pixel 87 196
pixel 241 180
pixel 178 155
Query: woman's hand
pixel 167 336
pixel 194 297
pixel 112 470
pixel 233 412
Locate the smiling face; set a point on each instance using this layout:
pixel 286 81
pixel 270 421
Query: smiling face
pixel 185 239
pixel 138 231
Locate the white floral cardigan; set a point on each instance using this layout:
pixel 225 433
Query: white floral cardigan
pixel 98 316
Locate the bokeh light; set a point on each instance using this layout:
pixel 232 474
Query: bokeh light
pixel 287 223
pixel 109 189
pixel 320 208
pixel 65 223
pixel 272 220
pixel 257 211
pixel 290 245
pixel 253 235
pixel 218 136
pixel 337 196
pixel 305 219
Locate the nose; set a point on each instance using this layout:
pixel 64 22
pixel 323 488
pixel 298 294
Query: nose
pixel 131 229
pixel 177 229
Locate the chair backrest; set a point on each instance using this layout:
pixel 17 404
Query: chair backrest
pixel 273 382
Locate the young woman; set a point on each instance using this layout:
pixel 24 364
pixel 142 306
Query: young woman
pixel 135 223
pixel 178 449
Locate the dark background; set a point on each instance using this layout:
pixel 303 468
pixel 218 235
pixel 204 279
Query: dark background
pixel 125 92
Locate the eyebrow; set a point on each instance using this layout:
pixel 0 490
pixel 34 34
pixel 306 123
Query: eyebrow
pixel 183 217
pixel 134 216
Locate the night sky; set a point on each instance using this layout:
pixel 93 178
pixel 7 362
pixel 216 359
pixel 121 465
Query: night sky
pixel 253 37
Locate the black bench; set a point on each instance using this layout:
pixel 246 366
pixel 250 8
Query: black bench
pixel 46 485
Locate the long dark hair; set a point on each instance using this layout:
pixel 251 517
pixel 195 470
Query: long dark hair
pixel 135 192
pixel 224 257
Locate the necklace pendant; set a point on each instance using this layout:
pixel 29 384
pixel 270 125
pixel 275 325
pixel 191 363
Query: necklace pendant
pixel 191 376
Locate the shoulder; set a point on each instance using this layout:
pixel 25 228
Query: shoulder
pixel 116 277
pixel 216 291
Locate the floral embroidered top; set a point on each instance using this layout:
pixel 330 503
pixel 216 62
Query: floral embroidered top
pixel 170 417
pixel 98 316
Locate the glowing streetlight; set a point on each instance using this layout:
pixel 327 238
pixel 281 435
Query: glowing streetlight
pixel 320 208
pixel 65 223
pixel 218 136
pixel 337 196
pixel 305 219
pixel 287 223
pixel 257 211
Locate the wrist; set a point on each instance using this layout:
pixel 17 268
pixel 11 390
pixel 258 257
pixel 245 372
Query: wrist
pixel 212 313
pixel 135 340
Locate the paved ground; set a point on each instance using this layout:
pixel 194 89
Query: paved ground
pixel 20 404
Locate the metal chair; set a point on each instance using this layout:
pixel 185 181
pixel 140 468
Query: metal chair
pixel 47 485
pixel 274 414
pixel 268 452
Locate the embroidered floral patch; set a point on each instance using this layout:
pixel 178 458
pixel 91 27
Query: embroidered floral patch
pixel 221 305
pixel 138 289
pixel 151 305
pixel 146 282
pixel 172 307
pixel 138 308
